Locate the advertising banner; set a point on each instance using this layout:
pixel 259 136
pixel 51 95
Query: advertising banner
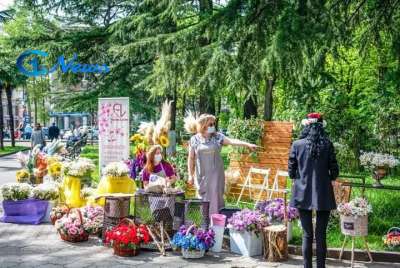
pixel 113 120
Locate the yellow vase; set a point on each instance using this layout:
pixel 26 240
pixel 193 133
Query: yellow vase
pixel 72 192
pixel 113 185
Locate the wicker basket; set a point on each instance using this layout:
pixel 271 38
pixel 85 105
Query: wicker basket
pixel 191 253
pixel 354 226
pixel 125 252
pixel 393 229
pixel 76 238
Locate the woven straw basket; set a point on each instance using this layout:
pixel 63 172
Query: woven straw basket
pixel 354 226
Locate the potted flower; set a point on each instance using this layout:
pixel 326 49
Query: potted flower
pixel 126 237
pixel 378 164
pixel 23 176
pixel 193 241
pixel 57 213
pixel 274 209
pixel 354 217
pixel 71 227
pixel 93 219
pixel 18 207
pixel 244 230
pixel 75 172
pixel 48 191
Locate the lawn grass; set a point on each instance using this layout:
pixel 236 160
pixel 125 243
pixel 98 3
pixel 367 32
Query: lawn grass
pixel 10 149
pixel 385 204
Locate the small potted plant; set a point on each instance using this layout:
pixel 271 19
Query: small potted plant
pixel 244 230
pixel 354 217
pixel 193 241
pixel 57 213
pixel 274 210
pixel 48 191
pixel 126 238
pixel 378 164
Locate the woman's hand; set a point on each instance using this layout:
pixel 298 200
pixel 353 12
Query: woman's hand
pixel 252 147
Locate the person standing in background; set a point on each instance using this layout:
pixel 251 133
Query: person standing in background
pixel 38 137
pixel 28 132
pixel 54 132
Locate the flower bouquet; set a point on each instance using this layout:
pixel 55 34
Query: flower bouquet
pixel 392 238
pixel 116 169
pixel 16 191
pixel 354 217
pixel 245 227
pixel 57 213
pixel 126 237
pixel 71 227
pixel 93 217
pixel 274 209
pixel 193 241
pixel 23 176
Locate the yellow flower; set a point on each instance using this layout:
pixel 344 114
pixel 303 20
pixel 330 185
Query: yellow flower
pixel 55 169
pixel 137 138
pixel 164 141
pixel 22 175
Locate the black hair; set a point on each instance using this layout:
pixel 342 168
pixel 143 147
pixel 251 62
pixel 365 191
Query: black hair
pixel 316 138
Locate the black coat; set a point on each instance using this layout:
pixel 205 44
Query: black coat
pixel 312 178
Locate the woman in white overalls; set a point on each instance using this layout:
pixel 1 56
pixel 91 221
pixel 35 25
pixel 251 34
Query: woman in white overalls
pixel 205 164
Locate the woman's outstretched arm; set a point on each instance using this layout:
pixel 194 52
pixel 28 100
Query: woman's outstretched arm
pixel 236 142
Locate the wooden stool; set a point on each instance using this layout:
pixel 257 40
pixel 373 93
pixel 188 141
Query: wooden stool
pixel 275 243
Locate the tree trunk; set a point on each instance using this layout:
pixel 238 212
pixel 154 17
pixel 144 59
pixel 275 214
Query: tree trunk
pixel 250 107
pixel 207 102
pixel 35 106
pixel 268 98
pixel 10 114
pixel 1 119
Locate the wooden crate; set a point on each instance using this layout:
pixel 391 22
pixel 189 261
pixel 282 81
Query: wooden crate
pixel 276 144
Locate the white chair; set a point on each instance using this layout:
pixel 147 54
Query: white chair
pixel 275 184
pixel 249 185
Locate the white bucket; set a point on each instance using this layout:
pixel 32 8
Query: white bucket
pixel 245 243
pixel 51 204
pixel 219 237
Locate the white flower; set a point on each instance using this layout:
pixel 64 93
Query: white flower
pixel 46 191
pixel 116 169
pixel 79 167
pixel 372 160
pixel 15 191
pixel 356 207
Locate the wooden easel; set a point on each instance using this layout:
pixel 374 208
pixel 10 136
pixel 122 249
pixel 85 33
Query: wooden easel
pixel 352 248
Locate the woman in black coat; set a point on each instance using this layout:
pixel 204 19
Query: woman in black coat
pixel 313 167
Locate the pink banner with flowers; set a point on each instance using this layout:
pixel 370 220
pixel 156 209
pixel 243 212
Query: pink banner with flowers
pixel 113 120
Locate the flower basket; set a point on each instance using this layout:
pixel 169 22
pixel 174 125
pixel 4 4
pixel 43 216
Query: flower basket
pixel 192 254
pixel 81 234
pixel 125 252
pixel 245 243
pixel 392 238
pixel 57 213
pixel 126 238
pixel 354 225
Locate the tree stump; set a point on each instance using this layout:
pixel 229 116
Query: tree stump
pixel 275 243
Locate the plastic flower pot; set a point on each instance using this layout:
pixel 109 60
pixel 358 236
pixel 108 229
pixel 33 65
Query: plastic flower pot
pixel 245 243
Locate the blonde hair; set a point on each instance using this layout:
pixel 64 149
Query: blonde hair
pixel 195 125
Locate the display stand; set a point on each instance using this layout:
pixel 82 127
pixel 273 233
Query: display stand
pixel 352 248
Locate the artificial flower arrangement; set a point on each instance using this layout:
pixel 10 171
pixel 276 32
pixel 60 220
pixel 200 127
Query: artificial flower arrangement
pixel 93 219
pixel 392 238
pixel 16 191
pixel 116 169
pixel 274 209
pixel 372 160
pixel 193 241
pixel 46 191
pixel 71 227
pixel 126 238
pixel 357 207
pixel 57 213
pixel 248 220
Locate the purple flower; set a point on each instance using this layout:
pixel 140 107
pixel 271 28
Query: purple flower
pixel 247 220
pixel 274 209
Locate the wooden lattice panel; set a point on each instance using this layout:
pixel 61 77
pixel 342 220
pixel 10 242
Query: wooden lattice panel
pixel 276 145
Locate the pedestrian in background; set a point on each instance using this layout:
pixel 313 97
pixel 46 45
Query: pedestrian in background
pixel 38 137
pixel 28 132
pixel 54 132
